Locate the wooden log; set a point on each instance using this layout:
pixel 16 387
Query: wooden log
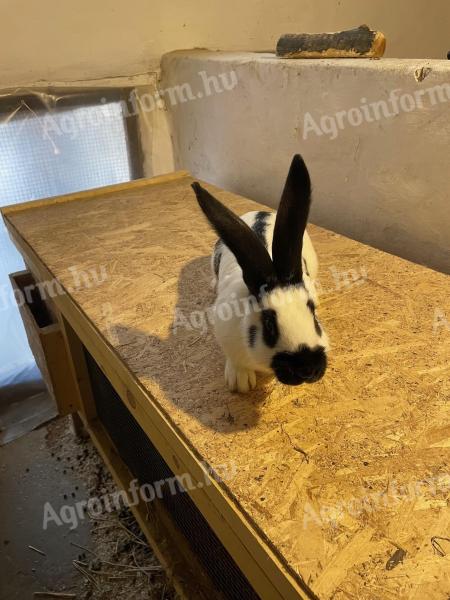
pixel 361 42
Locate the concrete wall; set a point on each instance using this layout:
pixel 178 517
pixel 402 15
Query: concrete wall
pixel 384 181
pixel 53 40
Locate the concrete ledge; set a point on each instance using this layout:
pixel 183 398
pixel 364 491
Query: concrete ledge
pixel 375 135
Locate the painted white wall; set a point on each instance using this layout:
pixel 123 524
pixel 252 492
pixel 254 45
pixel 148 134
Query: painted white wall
pixel 53 40
pixel 384 182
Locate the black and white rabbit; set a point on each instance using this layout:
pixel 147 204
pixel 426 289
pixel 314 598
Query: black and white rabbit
pixel 265 310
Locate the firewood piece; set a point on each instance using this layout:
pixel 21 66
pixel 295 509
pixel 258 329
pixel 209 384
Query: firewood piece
pixel 360 42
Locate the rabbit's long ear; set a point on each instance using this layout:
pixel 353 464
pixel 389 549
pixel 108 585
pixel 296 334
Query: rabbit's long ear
pixel 250 253
pixel 290 224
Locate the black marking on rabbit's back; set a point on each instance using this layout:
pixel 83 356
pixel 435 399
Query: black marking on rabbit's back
pixel 217 256
pixel 270 327
pixel 260 225
pixel 252 335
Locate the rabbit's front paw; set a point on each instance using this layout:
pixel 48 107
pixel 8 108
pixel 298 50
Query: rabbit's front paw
pixel 239 379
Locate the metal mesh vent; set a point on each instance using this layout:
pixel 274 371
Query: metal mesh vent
pixel 148 466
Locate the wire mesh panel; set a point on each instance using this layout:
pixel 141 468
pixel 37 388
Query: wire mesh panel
pixel 49 154
pixel 148 466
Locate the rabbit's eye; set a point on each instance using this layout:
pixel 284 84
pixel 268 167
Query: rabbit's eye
pixel 270 327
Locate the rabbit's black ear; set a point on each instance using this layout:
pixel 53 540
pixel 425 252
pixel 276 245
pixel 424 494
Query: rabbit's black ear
pixel 251 255
pixel 290 224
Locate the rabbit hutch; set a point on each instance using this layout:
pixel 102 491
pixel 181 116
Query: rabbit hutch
pixel 333 490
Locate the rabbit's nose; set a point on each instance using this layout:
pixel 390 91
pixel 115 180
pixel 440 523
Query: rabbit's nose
pixel 312 373
pixel 304 366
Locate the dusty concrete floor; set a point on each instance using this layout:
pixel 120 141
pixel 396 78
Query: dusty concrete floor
pixel 50 465
pixel 25 403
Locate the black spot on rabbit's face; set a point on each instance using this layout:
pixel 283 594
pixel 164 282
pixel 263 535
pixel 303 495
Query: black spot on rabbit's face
pixel 312 307
pixel 269 327
pixel 306 365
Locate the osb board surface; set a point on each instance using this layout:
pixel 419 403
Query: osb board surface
pixel 340 476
